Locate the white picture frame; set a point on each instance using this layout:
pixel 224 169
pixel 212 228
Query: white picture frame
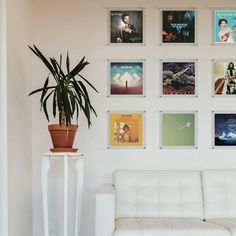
pixel 161 81
pixel 195 41
pixel 177 140
pixel 219 135
pixel 122 91
pixel 134 13
pixel 214 27
pixel 135 118
pixel 221 86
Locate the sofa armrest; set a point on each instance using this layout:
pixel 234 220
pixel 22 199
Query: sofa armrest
pixel 105 210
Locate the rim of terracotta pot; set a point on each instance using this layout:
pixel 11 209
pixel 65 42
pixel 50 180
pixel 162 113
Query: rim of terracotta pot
pixel 62 127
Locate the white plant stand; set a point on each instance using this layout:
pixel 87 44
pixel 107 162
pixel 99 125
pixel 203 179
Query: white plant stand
pixel 46 161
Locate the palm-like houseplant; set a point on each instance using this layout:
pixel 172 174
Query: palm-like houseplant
pixel 69 96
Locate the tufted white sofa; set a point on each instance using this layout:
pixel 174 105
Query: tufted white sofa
pixel 167 203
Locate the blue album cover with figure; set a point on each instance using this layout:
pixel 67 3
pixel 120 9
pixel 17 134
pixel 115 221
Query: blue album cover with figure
pixel 224 26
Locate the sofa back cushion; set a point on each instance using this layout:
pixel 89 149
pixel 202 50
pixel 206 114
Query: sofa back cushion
pixel 158 194
pixel 219 192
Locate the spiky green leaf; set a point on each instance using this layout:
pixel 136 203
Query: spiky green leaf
pixel 42 58
pixel 54 104
pixel 68 63
pixel 88 83
pixel 45 105
pixel 41 89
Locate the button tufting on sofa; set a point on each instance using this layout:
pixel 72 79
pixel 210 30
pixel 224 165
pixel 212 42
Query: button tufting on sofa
pixel 167 203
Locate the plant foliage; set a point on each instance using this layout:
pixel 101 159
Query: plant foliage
pixel 69 94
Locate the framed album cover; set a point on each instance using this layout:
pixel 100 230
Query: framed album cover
pixel 126 129
pixel 224 129
pixel 178 130
pixel 224 77
pixel 224 26
pixel 178 78
pixel 126 26
pixel 178 26
pixel 126 78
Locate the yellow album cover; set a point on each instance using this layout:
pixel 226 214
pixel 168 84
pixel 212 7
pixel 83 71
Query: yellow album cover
pixel 126 129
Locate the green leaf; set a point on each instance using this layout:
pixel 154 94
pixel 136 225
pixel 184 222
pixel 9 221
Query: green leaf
pixel 68 63
pixel 54 105
pixel 39 90
pixel 84 91
pixel 77 89
pixel 59 101
pixel 45 105
pixel 61 71
pixel 66 106
pixel 60 60
pixel 86 97
pixel 33 51
pixel 45 89
pixel 85 112
pixel 77 68
pixel 43 59
pixel 77 111
pixel 72 101
pixel 88 83
pixel 93 110
pixel 54 65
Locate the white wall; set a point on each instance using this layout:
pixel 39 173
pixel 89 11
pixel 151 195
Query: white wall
pixel 19 118
pixel 82 27
pixel 3 123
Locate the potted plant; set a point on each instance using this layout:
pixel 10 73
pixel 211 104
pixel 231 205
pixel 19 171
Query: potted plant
pixel 69 96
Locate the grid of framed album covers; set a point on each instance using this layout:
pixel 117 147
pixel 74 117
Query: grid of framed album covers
pixel 178 129
pixel 224 77
pixel 178 78
pixel 224 26
pixel 224 129
pixel 126 129
pixel 126 78
pixel 126 26
pixel 178 26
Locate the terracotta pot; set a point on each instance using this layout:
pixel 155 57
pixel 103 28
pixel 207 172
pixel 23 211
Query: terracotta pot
pixel 62 137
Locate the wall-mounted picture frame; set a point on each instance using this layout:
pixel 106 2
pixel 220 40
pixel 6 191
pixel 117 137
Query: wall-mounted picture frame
pixel 223 129
pixel 224 26
pixel 224 77
pixel 126 129
pixel 126 78
pixel 178 129
pixel 178 78
pixel 126 26
pixel 178 26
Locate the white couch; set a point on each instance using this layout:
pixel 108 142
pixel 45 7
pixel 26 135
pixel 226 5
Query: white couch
pixel 167 203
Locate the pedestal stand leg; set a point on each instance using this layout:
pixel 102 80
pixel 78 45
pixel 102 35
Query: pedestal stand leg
pixel 65 195
pixel 44 175
pixel 79 186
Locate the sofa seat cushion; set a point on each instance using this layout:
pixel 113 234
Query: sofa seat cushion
pixel 228 223
pixel 167 227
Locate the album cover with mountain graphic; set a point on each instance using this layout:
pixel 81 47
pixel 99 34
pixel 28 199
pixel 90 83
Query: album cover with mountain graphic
pixel 126 78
